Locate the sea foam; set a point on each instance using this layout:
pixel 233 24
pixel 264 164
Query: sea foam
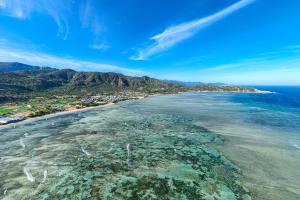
pixel 128 150
pixel 28 175
pixel 45 176
pixel 22 143
pixel 85 152
pixel 297 146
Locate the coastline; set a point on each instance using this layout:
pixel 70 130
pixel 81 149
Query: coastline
pixel 32 119
pixel 244 147
pixel 93 121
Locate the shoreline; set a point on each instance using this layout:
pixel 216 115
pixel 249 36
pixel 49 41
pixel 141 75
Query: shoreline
pixel 244 144
pixel 89 124
pixel 32 119
pixel 59 113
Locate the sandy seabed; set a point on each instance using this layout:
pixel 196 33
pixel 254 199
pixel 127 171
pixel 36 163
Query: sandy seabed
pixel 164 143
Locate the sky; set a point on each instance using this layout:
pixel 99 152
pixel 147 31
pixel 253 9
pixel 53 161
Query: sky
pixel 243 42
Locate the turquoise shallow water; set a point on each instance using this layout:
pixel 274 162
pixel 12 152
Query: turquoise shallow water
pixel 164 147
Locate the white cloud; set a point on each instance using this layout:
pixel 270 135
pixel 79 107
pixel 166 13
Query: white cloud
pixel 16 8
pixel 287 50
pixel 61 11
pixel 2 3
pixel 294 48
pixel 89 17
pixel 41 59
pixel 255 71
pixel 100 46
pixel 23 9
pixel 221 67
pixel 260 70
pixel 282 67
pixel 284 75
pixel 3 41
pixel 255 64
pixel 175 34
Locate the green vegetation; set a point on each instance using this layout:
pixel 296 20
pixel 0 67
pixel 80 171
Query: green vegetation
pixel 8 109
pixel 37 106
pixel 46 82
pixel 5 110
pixel 37 91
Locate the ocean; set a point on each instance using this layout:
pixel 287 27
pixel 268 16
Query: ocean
pixel 197 145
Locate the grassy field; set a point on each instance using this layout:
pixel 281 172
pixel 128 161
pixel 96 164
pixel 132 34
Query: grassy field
pixel 10 109
pixel 4 110
pixel 36 105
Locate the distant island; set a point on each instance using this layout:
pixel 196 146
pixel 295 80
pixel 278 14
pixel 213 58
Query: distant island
pixel 29 91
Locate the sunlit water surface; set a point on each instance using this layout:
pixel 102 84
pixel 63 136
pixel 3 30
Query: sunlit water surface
pixel 186 146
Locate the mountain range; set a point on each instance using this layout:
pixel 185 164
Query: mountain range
pixel 14 66
pixel 16 78
pixel 20 82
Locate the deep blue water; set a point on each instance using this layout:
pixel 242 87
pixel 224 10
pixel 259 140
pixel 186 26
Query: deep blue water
pixel 279 109
pixel 283 97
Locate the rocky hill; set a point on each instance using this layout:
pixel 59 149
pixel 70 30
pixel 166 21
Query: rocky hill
pixel 21 82
pixel 22 79
pixel 14 66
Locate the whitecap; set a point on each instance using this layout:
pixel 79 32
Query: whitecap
pixel 297 146
pixel 128 150
pixel 5 192
pixel 28 175
pixel 22 143
pixel 85 152
pixel 45 175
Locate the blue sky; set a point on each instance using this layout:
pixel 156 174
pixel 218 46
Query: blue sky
pixel 251 42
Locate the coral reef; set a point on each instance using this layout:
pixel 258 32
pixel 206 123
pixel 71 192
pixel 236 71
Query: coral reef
pixel 125 152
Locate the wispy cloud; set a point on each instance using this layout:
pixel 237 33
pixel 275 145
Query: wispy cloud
pixel 249 63
pixel 280 67
pixel 100 46
pixel 285 72
pixel 294 47
pixel 221 67
pixel 62 13
pixel 252 71
pixel 89 17
pixel 287 50
pixel 254 64
pixel 2 3
pixel 265 69
pixel 175 34
pixel 41 59
pixel 23 10
pixel 2 40
pixel 16 8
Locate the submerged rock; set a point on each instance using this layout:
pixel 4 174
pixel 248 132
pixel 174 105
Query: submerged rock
pixel 135 155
